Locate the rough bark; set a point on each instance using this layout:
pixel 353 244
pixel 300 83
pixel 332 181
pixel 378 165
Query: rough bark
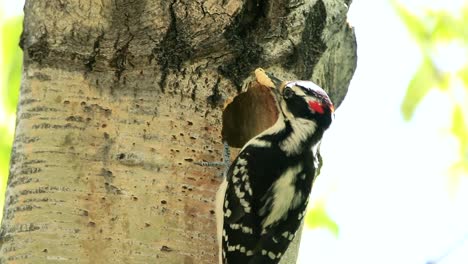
pixel 118 99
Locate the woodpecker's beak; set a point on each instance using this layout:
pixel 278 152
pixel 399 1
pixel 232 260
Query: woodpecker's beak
pixel 278 86
pixel 277 93
pixel 276 82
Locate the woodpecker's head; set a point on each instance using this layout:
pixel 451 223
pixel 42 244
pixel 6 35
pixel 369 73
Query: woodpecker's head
pixel 305 99
pixel 299 99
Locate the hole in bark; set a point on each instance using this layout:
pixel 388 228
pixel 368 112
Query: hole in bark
pixel 166 249
pixel 248 114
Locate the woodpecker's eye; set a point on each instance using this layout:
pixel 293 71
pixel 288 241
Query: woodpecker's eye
pixel 287 93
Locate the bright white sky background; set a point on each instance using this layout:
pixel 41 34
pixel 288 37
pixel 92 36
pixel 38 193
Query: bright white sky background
pixel 385 181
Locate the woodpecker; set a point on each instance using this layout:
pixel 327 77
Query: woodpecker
pixel 263 198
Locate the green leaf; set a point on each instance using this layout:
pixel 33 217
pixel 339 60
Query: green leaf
pixel 460 130
pixel 415 25
pixel 464 22
pixel 423 81
pixel 446 26
pixel 13 79
pixel 12 61
pixel 11 31
pixel 443 80
pixel 317 217
pixel 9 91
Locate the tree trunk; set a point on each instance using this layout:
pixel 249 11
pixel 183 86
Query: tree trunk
pixel 118 98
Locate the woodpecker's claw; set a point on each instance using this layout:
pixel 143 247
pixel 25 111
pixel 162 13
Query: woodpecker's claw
pixel 225 163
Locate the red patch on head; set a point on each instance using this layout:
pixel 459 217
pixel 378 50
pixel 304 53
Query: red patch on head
pixel 316 106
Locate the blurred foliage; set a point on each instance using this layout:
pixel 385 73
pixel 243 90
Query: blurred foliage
pixel 317 217
pixel 12 58
pixel 442 37
pixel 10 78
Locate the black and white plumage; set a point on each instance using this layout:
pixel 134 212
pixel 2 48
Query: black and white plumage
pixel 263 198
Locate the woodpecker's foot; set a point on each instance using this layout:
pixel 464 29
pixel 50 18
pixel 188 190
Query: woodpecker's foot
pixel 225 163
pixel 211 163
